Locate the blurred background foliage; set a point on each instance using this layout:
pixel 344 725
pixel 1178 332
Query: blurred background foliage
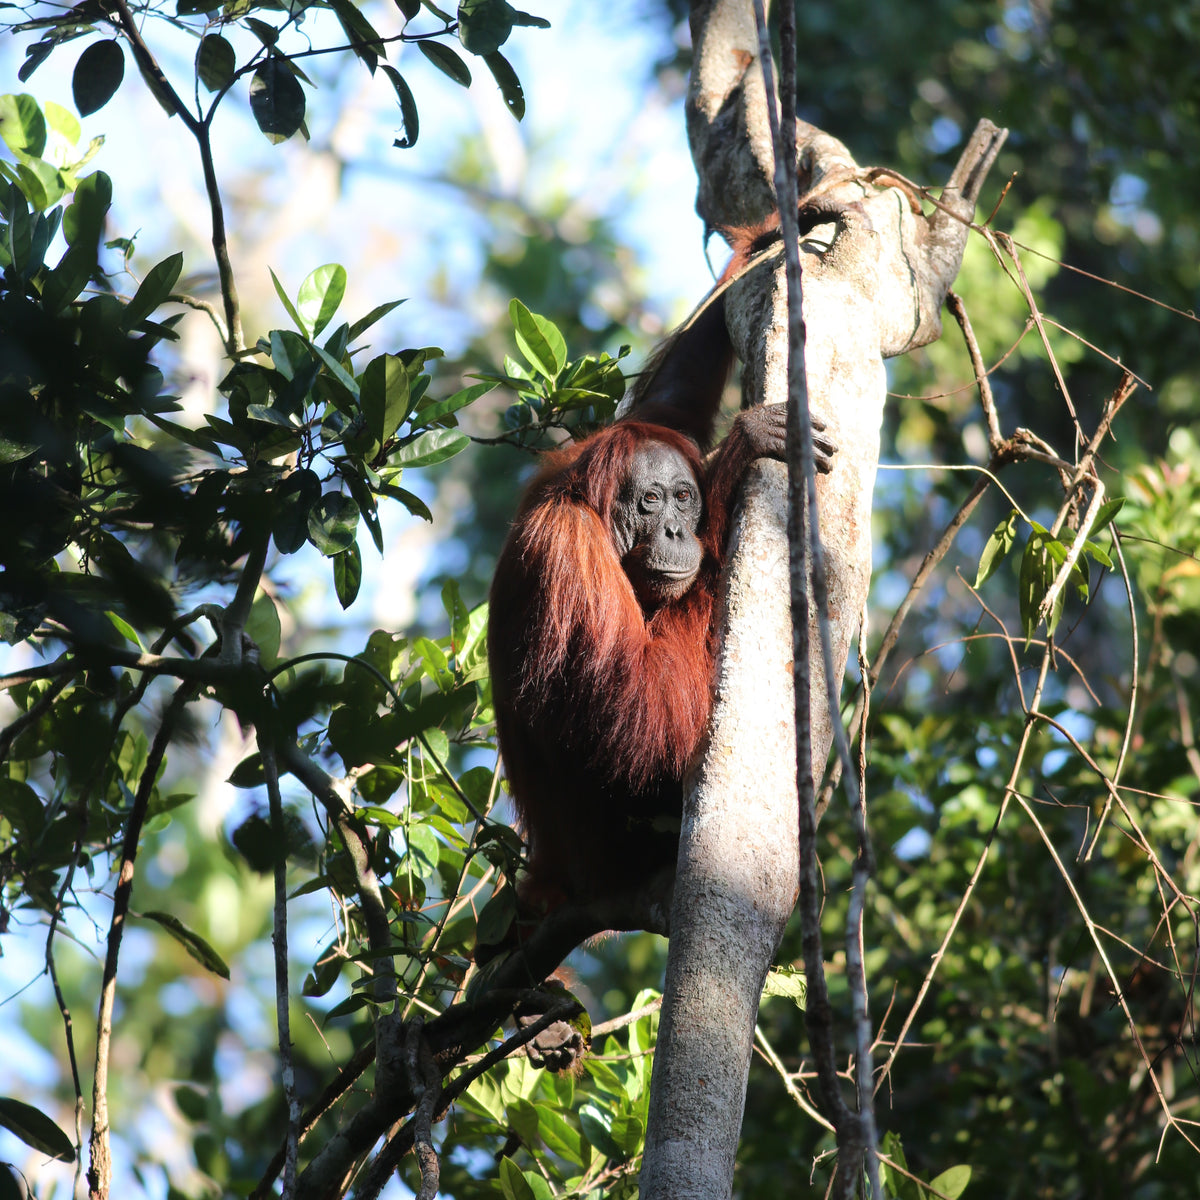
pixel 1021 1063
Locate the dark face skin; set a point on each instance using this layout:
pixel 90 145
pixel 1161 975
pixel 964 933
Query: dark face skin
pixel 654 523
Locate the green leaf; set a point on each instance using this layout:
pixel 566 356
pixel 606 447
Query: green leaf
pixel 368 509
pixel 435 446
pixel 414 504
pixel 360 33
pixel 364 323
pixel 21 806
pixel 332 523
pixel 338 371
pixel 35 1129
pixel 287 304
pixel 294 499
pixel 787 981
pixel 154 289
pixel 63 121
pixel 516 1184
pixel 1108 510
pixel 216 62
pixel 528 20
pixel 628 1131
pixel 192 942
pixel 83 221
pixel 277 100
pixel 249 773
pixel 998 545
pixel 596 1127
pixel 385 396
pixel 22 125
pixel 1037 573
pixel 124 628
pixel 446 61
pixel 539 340
pixel 1098 554
pixel 484 25
pixel 98 74
pixel 458 613
pixel 560 1136
pixel 263 628
pixel 347 575
pixel 325 971
pixel 35 55
pixel 953 1182
pixel 68 279
pixel 509 84
pixel 408 109
pixel 523 1118
pixel 319 297
pixel 438 411
pixel 410 8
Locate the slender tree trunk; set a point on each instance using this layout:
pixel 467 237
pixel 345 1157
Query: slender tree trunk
pixel 874 278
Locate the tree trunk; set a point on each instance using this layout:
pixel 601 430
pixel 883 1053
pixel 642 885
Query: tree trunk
pixel 874 279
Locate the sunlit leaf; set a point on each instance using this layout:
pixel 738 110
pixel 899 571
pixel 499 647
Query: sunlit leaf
pixel 538 339
pixel 438 411
pixel 433 447
pixel 997 546
pixel 287 304
pixel 385 395
pixel 787 981
pixel 319 297
pixel 22 125
pixel 952 1183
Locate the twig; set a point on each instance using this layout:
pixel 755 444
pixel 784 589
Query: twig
pixel 362 1058
pixel 629 1018
pixel 100 1168
pixel 380 1171
pixel 986 399
pixel 201 131
pixel 855 1132
pixel 997 240
pixel 282 988
pixel 801 1101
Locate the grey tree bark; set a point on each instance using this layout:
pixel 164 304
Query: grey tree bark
pixel 875 275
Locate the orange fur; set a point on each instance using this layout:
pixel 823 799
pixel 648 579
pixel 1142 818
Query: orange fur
pixel 599 704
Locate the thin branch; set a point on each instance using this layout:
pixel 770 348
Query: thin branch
pixel 62 673
pixel 856 1134
pixel 788 1079
pixel 361 1059
pixel 100 1168
pixel 282 989
pixel 380 1171
pixel 986 399
pixel 1118 992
